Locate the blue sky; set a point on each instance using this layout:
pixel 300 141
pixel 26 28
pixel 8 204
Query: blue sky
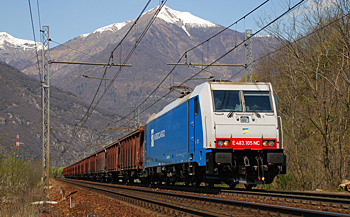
pixel 68 19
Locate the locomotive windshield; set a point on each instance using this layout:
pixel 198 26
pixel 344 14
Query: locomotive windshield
pixel 227 101
pixel 257 101
pixel 230 101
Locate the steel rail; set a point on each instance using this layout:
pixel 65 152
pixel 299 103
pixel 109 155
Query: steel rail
pixel 297 195
pixel 319 197
pixel 220 201
pixel 126 197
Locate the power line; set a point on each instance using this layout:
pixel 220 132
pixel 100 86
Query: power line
pixel 93 106
pixel 35 43
pixel 226 28
pixel 185 54
pixel 130 53
pixel 252 35
pixel 133 25
pixel 91 109
pixel 297 40
pixel 76 50
pixel 37 4
pixel 236 46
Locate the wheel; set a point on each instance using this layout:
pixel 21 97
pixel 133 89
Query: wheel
pixel 197 184
pixel 209 185
pixel 233 185
pixel 249 186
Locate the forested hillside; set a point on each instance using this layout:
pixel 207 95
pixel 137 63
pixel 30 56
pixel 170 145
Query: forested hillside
pixel 310 73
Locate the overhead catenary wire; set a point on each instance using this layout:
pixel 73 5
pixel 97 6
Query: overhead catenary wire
pixel 93 106
pixel 297 40
pixel 229 26
pixel 86 115
pixel 133 49
pixel 185 54
pixel 235 47
pixel 133 25
pixel 252 35
pixel 90 109
pixel 39 19
pixel 76 50
pixel 33 29
pixel 111 59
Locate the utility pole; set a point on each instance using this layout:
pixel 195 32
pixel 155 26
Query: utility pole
pixel 45 88
pixel 137 116
pixel 248 55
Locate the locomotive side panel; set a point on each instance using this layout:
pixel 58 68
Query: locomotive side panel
pixel 167 138
pixel 176 137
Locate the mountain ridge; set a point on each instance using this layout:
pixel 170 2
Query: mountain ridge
pixel 20 111
pixel 164 42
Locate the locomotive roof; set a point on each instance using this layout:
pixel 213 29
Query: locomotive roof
pixel 212 85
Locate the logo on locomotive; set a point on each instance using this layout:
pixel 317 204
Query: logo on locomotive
pixel 156 136
pixel 245 131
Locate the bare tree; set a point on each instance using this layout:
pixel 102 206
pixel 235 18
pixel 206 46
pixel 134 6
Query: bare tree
pixel 311 73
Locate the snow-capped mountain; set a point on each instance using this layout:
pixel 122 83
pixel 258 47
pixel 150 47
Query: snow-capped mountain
pixel 17 52
pixel 170 16
pixel 181 18
pixel 7 40
pixel 113 28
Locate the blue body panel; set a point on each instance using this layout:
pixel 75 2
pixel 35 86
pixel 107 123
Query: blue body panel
pixel 175 137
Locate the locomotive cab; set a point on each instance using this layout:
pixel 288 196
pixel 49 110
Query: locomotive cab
pixel 244 133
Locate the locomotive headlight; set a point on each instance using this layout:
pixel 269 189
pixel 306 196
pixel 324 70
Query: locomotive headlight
pixel 271 143
pixel 264 143
pixel 220 143
pixel 226 142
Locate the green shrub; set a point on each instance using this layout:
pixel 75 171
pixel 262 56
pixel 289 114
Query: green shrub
pixel 19 181
pixel 282 182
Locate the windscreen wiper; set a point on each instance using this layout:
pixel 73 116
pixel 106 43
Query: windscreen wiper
pixel 230 114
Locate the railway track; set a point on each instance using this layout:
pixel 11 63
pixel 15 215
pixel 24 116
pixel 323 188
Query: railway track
pixel 324 199
pixel 335 200
pixel 180 204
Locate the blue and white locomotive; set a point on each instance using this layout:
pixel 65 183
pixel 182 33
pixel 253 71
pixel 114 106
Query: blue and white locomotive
pixel 222 132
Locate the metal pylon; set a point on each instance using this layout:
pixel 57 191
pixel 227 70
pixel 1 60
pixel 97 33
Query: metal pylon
pixel 248 55
pixel 45 88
